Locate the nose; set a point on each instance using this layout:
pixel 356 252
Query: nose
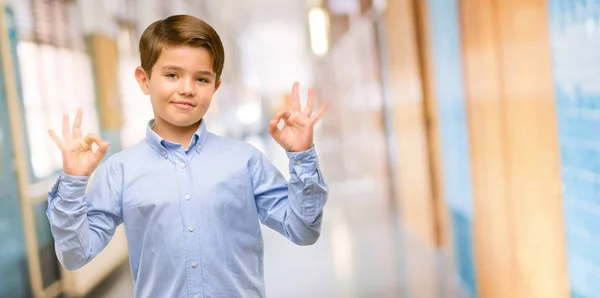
pixel 186 88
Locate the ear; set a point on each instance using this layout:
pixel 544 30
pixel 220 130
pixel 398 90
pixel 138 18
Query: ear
pixel 142 79
pixel 217 85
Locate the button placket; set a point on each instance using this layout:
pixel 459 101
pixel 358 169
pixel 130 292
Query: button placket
pixel 192 241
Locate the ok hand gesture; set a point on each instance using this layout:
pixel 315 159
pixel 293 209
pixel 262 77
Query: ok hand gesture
pixel 78 157
pixel 297 133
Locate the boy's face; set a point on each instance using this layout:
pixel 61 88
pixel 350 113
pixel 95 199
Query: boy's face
pixel 181 86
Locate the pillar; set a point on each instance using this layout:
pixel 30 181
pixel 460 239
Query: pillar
pixel 518 235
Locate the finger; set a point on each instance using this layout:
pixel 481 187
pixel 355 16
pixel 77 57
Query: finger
pixel 273 125
pixel 274 131
pixel 77 124
pixel 295 97
pixel 65 127
pixel 92 138
pixel 315 118
pixel 102 149
pixel 56 140
pixel 282 115
pixel 309 102
pixel 86 143
pixel 291 120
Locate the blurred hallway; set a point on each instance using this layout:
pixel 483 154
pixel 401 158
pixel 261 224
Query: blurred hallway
pixel 460 145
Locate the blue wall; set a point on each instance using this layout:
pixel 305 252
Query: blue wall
pixel 448 74
pixel 575 45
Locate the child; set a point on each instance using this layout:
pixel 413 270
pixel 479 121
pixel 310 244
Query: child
pixel 190 200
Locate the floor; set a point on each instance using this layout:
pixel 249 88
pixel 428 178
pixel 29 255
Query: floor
pixel 362 252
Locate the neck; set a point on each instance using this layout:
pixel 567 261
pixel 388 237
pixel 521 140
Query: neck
pixel 176 134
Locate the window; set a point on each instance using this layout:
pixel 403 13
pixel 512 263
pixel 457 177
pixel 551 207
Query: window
pixel 55 81
pixel 56 77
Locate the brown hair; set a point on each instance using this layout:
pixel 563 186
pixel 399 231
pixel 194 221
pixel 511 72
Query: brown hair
pixel 180 30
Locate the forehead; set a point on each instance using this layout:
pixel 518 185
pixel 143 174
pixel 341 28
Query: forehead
pixel 192 58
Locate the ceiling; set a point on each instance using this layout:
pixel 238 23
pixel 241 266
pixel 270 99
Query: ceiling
pixel 270 38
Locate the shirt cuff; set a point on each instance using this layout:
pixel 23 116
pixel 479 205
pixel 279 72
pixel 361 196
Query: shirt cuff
pixel 303 161
pixel 68 187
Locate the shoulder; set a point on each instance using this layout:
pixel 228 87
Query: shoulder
pixel 132 157
pixel 230 147
pixel 136 152
pixel 230 151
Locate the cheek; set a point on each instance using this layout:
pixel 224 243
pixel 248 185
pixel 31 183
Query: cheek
pixel 161 91
pixel 205 99
pixel 206 93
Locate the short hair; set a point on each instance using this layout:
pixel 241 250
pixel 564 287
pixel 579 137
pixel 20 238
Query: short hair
pixel 181 30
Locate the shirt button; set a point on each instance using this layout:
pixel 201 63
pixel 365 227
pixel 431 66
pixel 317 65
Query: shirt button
pixel 164 152
pixel 183 166
pixel 187 197
pixel 298 162
pixel 191 228
pixel 195 296
pixel 308 191
pixel 194 264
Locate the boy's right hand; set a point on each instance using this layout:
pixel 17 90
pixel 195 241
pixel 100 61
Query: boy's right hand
pixel 78 157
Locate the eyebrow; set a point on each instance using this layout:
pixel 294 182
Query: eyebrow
pixel 177 68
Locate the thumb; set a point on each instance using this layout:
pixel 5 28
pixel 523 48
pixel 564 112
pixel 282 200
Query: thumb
pixel 102 149
pixel 273 129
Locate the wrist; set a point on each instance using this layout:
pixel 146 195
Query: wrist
pixel 300 149
pixel 75 174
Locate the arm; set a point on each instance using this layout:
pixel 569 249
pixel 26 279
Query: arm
pixel 292 209
pixel 295 209
pixel 81 222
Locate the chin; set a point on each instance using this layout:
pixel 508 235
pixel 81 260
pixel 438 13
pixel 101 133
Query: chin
pixel 182 121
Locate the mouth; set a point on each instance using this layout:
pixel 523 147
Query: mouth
pixel 184 105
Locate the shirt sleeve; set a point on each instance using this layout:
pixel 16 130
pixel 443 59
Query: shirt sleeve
pixel 83 222
pixel 295 208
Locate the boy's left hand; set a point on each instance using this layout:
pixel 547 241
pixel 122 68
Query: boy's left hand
pixel 297 133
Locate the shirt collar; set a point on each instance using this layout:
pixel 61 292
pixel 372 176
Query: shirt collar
pixel 160 145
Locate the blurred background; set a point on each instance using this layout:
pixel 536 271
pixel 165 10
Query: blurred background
pixel 460 144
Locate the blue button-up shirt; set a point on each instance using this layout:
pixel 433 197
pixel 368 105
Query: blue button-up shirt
pixel 191 215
